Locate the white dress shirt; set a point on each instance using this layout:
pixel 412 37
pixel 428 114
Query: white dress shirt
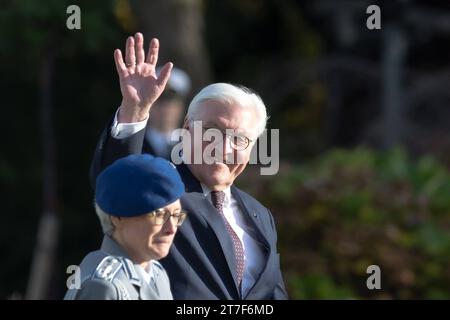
pixel 124 130
pixel 253 255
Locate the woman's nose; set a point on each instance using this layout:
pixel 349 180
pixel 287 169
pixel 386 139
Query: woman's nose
pixel 170 226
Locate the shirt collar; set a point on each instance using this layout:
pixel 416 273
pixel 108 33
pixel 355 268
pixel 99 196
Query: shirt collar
pixel 149 269
pixel 147 272
pixel 207 191
pixel 111 247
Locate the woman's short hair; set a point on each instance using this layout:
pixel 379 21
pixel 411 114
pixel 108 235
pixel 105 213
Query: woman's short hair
pixel 105 220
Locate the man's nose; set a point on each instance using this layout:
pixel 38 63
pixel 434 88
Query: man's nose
pixel 227 149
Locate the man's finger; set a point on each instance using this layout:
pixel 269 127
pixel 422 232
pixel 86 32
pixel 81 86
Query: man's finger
pixel 120 65
pixel 140 54
pixel 164 75
pixel 152 55
pixel 130 57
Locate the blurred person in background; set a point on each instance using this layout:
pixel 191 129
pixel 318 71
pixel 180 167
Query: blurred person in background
pixel 167 114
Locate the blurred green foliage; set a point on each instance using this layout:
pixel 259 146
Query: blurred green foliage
pixel 84 94
pixel 346 210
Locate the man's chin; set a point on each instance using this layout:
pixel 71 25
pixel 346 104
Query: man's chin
pixel 219 166
pixel 217 175
pixel 218 170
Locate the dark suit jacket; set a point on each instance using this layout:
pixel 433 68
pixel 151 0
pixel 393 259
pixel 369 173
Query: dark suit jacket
pixel 201 258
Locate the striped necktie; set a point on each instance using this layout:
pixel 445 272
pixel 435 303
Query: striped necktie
pixel 217 198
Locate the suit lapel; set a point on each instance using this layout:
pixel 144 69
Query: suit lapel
pixel 146 292
pixel 204 208
pixel 253 224
pixel 215 221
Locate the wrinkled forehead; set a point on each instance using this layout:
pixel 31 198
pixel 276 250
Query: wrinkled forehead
pixel 228 115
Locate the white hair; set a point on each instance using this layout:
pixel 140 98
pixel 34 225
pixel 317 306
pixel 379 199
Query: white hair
pixel 229 93
pixel 105 220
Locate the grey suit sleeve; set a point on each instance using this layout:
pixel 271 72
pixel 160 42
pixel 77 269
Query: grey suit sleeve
pixel 280 292
pixel 97 289
pixel 109 150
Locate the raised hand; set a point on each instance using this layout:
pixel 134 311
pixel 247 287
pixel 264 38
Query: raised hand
pixel 139 84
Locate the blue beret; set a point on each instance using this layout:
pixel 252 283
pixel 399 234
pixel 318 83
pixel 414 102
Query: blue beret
pixel 137 184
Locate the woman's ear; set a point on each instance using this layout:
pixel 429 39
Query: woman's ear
pixel 115 221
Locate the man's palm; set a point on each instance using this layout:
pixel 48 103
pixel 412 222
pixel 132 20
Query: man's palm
pixel 139 84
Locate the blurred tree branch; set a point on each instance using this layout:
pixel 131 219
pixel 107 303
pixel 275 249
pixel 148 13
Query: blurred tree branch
pixel 178 24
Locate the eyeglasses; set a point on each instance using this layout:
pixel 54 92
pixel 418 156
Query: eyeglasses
pixel 237 142
pixel 160 216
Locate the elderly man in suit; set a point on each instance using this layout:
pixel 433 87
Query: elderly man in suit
pixel 137 201
pixel 227 249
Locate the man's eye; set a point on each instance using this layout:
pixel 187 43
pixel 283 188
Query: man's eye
pixel 215 129
pixel 239 140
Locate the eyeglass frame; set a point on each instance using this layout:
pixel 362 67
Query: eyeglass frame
pixel 248 140
pixel 181 216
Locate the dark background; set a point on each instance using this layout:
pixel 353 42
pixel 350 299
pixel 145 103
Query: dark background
pixel 364 123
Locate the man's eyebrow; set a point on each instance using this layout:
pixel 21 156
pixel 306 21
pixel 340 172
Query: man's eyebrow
pixel 241 132
pixel 212 125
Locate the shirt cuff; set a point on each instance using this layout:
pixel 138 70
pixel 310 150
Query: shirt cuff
pixel 125 130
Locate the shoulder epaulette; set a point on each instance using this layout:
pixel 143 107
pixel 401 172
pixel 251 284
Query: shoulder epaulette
pixel 107 268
